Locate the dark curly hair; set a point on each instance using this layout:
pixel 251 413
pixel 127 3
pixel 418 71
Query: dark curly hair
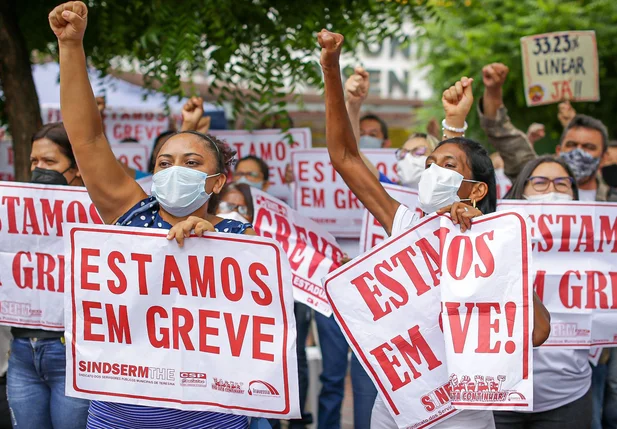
pixel 224 154
pixel 481 168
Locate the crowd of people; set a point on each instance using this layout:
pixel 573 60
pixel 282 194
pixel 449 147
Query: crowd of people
pixel 198 186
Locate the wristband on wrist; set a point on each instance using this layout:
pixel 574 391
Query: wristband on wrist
pixel 445 126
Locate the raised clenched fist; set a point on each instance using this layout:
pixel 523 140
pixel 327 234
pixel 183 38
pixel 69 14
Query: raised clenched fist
pixel 535 132
pixel 357 86
pixel 192 111
pixel 458 99
pixel 331 44
pixel 68 21
pixel 566 113
pixel 494 75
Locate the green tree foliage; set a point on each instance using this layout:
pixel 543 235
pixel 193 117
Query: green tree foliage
pixel 461 40
pixel 256 51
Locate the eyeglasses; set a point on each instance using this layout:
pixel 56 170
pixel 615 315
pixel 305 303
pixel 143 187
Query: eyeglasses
pixel 251 174
pixel 541 183
pixel 402 153
pixel 225 207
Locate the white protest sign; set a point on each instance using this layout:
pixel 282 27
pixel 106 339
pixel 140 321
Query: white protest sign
pixel 488 329
pixel 33 221
pixel 312 251
pixel 207 327
pixel 141 125
pixel 134 155
pixel 560 66
pixel 321 194
pixel 273 146
pixel 7 161
pixel 372 232
pixel 388 304
pixel 575 269
pixel 384 160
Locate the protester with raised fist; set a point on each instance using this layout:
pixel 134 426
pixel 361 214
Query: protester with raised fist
pixel 582 144
pixel 37 362
pixel 189 168
pixel 410 157
pixel 455 160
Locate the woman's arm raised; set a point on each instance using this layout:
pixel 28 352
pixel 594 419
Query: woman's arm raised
pixel 111 189
pixel 341 142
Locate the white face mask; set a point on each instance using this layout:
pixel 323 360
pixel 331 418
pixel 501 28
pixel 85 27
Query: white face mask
pixel 233 215
pixel 180 190
pixel 438 188
pixel 548 198
pixel 410 168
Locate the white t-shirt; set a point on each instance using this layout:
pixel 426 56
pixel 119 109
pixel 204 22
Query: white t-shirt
pixel 560 376
pixel 381 418
pixel 587 195
pixel 465 419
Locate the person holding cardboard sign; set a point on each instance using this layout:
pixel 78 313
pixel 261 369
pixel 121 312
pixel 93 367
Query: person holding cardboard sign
pixel 189 169
pixel 459 179
pixel 37 359
pixel 583 143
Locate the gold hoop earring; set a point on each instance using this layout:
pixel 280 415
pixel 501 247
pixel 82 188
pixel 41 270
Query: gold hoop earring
pixel 473 203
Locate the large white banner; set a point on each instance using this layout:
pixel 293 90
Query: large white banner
pixel 33 221
pixel 372 232
pixel 384 160
pixel 388 303
pixel 273 146
pixel 120 124
pixel 312 251
pixel 320 193
pixel 575 269
pixel 488 329
pixel 209 326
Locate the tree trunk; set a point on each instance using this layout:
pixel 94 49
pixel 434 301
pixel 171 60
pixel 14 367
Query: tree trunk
pixel 21 99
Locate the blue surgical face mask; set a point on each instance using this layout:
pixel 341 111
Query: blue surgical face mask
pixel 370 142
pixel 243 179
pixel 180 190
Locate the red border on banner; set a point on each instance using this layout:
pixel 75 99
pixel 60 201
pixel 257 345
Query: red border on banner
pixel 360 353
pixel 522 204
pixel 387 187
pixel 337 234
pixel 48 187
pixel 524 49
pixel 224 237
pixel 37 187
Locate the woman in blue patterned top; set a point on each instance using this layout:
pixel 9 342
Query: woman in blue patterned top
pixel 189 168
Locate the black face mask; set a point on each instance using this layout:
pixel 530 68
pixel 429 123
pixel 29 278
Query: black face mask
pixel 49 177
pixel 609 174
